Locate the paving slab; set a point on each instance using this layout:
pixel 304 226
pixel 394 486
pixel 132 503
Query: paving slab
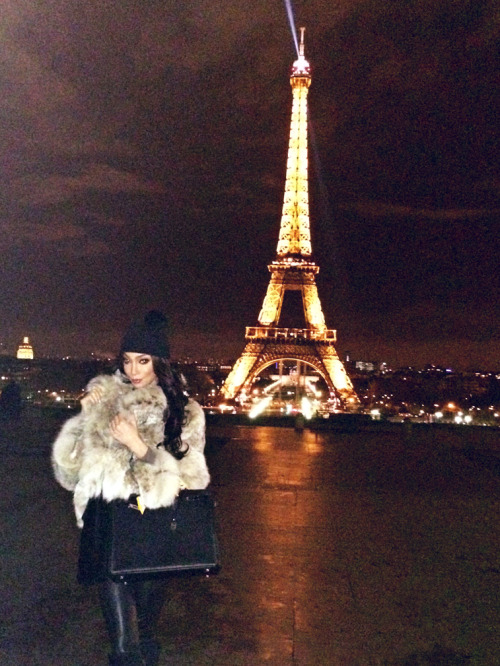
pixel 379 546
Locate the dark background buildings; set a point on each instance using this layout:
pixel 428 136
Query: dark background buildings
pixel 143 161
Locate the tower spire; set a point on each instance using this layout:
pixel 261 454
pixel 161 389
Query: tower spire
pixel 295 235
pixel 301 46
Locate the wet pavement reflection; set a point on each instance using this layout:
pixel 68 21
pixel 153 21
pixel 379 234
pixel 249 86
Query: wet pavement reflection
pixel 373 547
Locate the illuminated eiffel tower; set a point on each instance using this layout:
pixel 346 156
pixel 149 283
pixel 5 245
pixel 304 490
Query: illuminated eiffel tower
pixel 293 270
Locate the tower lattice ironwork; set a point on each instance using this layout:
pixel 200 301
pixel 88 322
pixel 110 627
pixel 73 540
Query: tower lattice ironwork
pixel 294 270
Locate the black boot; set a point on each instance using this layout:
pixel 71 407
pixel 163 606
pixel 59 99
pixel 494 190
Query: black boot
pixel 131 658
pixel 118 607
pixel 150 650
pixel 150 596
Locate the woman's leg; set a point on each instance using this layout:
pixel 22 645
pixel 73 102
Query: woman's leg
pixel 119 611
pixel 149 598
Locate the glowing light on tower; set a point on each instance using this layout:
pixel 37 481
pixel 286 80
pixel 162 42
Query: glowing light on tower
pixel 291 20
pixel 293 270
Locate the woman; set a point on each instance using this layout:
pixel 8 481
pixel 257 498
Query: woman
pixel 137 434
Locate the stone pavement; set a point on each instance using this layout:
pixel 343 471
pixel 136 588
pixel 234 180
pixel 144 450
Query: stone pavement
pixel 373 547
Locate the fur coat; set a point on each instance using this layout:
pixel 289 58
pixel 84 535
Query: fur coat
pixel 88 461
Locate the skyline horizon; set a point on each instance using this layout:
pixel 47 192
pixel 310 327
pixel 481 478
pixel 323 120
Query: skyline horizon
pixel 185 347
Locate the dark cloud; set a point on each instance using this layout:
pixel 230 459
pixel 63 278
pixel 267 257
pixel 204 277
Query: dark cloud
pixel 144 150
pixel 383 209
pixel 43 190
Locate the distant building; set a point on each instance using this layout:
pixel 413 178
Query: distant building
pixel 366 366
pixel 25 350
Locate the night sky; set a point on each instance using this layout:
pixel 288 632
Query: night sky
pixel 142 164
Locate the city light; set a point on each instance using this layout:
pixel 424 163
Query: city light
pixel 225 408
pixel 307 408
pixel 260 407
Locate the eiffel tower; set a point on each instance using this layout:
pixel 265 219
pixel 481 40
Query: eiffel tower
pixel 293 270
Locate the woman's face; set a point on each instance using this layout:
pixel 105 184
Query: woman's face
pixel 139 369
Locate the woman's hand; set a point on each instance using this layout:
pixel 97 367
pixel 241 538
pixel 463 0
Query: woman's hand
pixel 124 430
pixel 91 398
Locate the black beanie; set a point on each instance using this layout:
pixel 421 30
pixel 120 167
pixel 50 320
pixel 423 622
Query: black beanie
pixel 148 336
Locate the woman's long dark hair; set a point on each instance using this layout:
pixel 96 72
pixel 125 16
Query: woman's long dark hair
pixel 174 416
pixel 175 391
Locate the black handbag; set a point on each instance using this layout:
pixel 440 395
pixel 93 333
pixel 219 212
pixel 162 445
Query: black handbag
pixel 175 539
